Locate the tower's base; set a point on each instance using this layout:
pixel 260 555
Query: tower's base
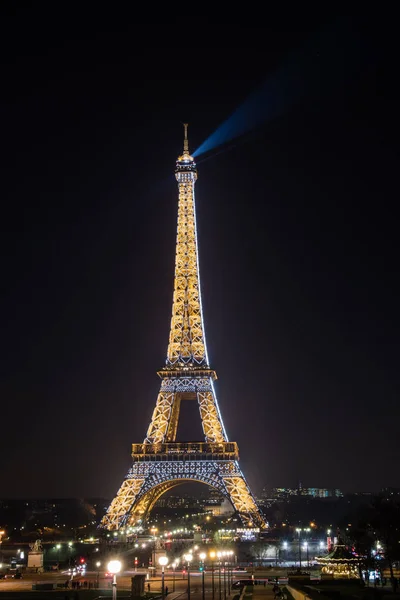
pixel 160 467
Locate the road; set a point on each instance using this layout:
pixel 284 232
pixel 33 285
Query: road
pixel 177 585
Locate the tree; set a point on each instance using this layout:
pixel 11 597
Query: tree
pixel 376 523
pixel 260 551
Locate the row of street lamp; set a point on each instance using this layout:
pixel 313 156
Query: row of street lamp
pixel 224 556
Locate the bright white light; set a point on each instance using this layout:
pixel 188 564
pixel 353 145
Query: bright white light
pixel 202 555
pixel 163 560
pixel 114 566
pixel 188 557
pixel 98 564
pixel 285 545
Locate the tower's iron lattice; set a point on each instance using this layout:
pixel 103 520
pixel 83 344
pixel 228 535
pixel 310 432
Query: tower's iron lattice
pixel 161 463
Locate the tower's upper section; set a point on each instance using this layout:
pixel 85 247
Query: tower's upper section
pixel 187 347
pixel 185 165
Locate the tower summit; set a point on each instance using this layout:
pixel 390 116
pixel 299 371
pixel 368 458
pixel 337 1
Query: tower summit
pixel 160 463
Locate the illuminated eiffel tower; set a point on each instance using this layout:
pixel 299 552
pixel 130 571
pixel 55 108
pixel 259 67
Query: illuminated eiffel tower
pixel 161 463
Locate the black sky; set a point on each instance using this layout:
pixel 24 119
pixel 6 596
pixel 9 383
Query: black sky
pixel 298 236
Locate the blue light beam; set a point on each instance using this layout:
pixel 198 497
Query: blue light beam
pixel 319 70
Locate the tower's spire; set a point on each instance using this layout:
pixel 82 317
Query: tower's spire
pixel 185 141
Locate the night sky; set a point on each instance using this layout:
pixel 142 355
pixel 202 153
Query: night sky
pixel 298 241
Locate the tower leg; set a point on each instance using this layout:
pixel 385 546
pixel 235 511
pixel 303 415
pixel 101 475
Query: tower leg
pixel 121 506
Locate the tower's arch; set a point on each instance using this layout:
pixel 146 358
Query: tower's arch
pixel 150 493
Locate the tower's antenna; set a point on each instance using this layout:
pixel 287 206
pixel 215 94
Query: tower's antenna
pixel 185 141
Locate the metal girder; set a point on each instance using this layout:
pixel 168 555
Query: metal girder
pixel 159 463
pixel 147 481
pixel 186 338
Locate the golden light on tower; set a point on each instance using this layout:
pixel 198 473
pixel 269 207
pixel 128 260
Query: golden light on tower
pixel 160 462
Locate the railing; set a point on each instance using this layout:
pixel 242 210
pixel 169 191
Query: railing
pixel 186 451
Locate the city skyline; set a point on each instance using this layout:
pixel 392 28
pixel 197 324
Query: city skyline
pixel 297 252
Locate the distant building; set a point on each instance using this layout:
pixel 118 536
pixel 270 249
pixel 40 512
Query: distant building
pixel 276 494
pixel 218 510
pixel 321 492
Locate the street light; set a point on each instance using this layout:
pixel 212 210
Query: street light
pixel 202 556
pixel 114 567
pixel 188 558
pixel 163 560
pixel 98 565
pixel 305 547
pixel 230 554
pixel 212 556
pixel 219 554
pixel 224 554
pixel 299 530
pixel 174 565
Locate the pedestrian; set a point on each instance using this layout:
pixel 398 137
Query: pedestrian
pixel 166 590
pixel 148 587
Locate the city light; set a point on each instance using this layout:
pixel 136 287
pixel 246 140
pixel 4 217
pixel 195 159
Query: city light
pixel 114 566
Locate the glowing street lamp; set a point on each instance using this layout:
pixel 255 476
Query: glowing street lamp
pixel 188 558
pixel 163 561
pixel 174 565
pixel 98 565
pixel 212 556
pixel 114 567
pixel 202 557
pixel 219 555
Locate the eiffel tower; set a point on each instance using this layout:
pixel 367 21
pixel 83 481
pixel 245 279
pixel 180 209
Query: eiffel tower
pixel 161 463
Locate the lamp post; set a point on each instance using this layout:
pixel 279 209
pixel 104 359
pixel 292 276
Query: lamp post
pixel 298 529
pixel 98 564
pixel 202 556
pixel 306 549
pixel 188 558
pixel 114 567
pixel 219 555
pixel 163 560
pixel 58 555
pixel 212 556
pixel 230 571
pixel 224 555
pixel 174 565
